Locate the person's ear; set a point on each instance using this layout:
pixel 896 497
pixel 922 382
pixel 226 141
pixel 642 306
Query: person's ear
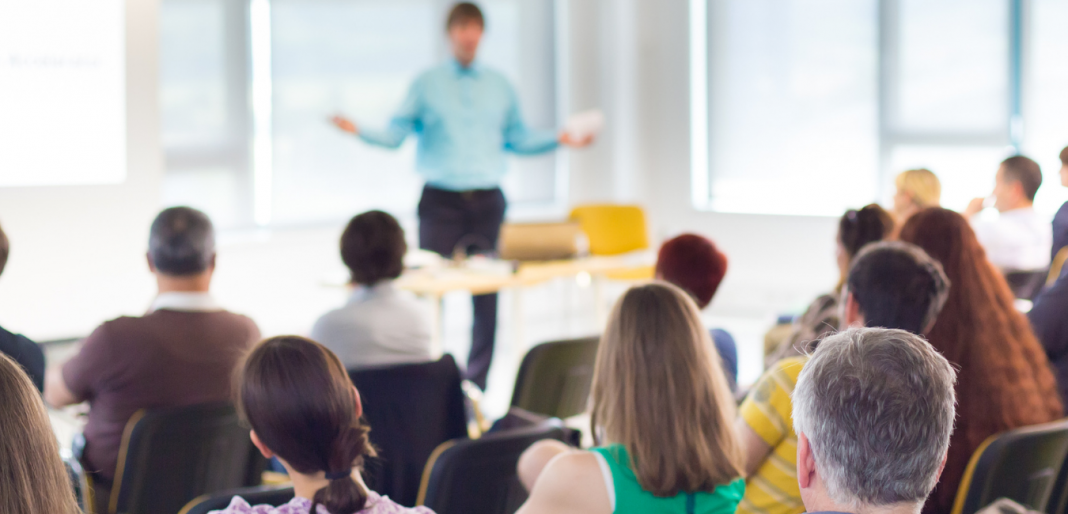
pixel 267 453
pixel 942 466
pixel 211 263
pixel 806 463
pixel 853 316
pixel 151 265
pixel 359 402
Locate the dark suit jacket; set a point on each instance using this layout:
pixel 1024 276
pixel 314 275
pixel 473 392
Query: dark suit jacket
pixel 26 353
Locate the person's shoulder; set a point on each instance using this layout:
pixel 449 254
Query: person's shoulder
pixel 384 505
pixel 238 505
pixel 572 480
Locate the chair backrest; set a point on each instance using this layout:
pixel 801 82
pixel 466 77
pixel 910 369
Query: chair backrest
pixel 170 456
pixel 1026 284
pixel 612 229
pixel 412 409
pixel 1022 465
pixel 554 378
pixel 264 495
pixel 479 475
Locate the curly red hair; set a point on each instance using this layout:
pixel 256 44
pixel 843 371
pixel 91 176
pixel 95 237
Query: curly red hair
pixel 1005 380
pixel 694 264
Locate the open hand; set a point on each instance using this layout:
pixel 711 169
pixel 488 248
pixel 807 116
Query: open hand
pixel 566 140
pixel 345 124
pixel 974 207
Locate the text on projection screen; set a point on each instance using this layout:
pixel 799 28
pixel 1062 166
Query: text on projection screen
pixel 62 92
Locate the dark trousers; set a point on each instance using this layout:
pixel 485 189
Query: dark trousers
pixel 469 221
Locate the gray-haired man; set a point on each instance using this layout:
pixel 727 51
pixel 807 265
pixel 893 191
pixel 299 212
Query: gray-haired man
pixel 873 411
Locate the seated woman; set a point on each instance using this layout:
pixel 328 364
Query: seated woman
pixel 303 409
pixel 1004 379
pixel 661 416
pixel 33 478
pixel 694 264
pixel 855 230
pixel 380 325
pixel 917 190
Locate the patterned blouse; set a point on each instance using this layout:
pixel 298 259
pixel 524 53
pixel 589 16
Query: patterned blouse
pixel 376 504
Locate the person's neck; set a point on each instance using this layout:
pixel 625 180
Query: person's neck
pixel 1020 204
pixel 828 505
pixel 463 61
pixel 199 283
pixel 305 486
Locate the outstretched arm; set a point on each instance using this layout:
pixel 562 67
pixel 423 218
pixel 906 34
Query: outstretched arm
pixel 404 122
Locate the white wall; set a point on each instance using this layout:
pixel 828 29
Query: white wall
pixel 77 255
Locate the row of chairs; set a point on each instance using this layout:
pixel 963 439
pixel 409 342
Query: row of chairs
pixel 419 419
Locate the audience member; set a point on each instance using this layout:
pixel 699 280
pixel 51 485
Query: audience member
pixel 917 189
pixel 661 413
pixel 182 352
pixel 1019 239
pixel 694 264
pixel 1060 220
pixel 304 410
pixel 26 353
pixel 1050 324
pixel 33 478
pixel 894 285
pixel 1004 379
pixel 890 285
pixel 855 230
pixel 873 412
pixel 380 324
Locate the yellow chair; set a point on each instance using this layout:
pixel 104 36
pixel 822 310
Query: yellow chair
pixel 614 230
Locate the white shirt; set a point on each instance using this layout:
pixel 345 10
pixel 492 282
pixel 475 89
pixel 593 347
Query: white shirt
pixel 186 302
pixel 379 325
pixel 1018 240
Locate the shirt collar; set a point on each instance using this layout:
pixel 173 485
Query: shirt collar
pixel 363 292
pixel 474 69
pixel 185 302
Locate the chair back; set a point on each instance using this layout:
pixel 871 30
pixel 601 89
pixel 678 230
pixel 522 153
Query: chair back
pixel 412 409
pixel 1022 465
pixel 479 475
pixel 274 496
pixel 555 378
pixel 612 229
pixel 170 456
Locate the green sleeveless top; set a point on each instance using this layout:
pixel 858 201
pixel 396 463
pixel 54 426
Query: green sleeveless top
pixel 630 497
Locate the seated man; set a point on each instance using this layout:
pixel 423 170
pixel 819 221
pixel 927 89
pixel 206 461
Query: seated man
pixel 1019 239
pixel 24 352
pixel 380 324
pixel 890 284
pixel 182 352
pixel 875 443
pixel 695 265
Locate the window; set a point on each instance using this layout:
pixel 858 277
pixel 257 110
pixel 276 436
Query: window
pixel 814 106
pixel 302 61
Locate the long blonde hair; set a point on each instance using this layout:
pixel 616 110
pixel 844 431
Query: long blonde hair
pixel 659 390
pixel 32 476
pixel 921 185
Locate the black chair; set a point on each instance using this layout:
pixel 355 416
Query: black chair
pixel 554 378
pixel 170 456
pixel 266 495
pixel 1026 285
pixel 412 409
pixel 1022 465
pixel 479 475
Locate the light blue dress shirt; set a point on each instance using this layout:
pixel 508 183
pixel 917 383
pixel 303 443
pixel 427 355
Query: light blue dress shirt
pixel 466 118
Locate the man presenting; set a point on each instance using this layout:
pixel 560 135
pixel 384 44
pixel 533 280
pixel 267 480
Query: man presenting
pixel 467 117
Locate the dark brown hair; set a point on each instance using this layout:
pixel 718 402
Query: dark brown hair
pixel 298 398
pixel 465 12
pixel 1064 156
pixel 373 248
pixel 858 228
pixel 693 263
pixel 33 477
pixel 1025 171
pixel 181 242
pixel 1004 380
pixel 5 249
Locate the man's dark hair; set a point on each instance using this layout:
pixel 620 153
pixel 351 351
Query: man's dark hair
pixel 1064 156
pixel 1025 171
pixel 373 248
pixel 181 242
pixel 897 285
pixel 5 249
pixel 465 12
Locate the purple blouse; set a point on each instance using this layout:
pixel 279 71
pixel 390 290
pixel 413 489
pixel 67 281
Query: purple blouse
pixel 376 504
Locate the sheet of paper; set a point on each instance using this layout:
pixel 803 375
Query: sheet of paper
pixel 584 124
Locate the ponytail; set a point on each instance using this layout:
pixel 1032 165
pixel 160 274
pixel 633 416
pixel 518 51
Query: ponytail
pixel 343 495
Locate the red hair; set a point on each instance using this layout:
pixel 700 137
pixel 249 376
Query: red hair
pixel 694 264
pixel 1005 380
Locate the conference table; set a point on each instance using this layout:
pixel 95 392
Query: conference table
pixel 483 276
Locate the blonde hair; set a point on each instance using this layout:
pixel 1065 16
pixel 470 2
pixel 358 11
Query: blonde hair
pixel 35 479
pixel 659 390
pixel 921 185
